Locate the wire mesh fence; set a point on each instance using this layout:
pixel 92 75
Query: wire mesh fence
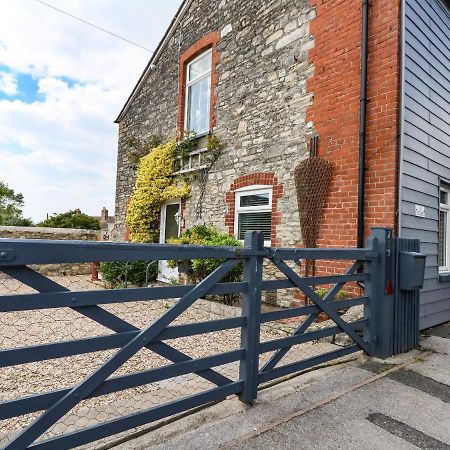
pixel 30 328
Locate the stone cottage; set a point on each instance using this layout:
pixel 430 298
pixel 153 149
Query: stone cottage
pixel 368 85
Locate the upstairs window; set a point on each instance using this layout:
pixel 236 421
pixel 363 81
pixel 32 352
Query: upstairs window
pixel 444 243
pixel 198 93
pixel 253 212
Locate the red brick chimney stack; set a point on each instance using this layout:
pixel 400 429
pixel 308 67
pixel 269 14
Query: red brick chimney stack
pixel 104 215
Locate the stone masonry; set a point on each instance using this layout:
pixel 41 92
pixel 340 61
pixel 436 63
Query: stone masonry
pixel 53 234
pixel 259 107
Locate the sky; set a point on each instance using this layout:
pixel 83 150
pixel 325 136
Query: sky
pixel 62 85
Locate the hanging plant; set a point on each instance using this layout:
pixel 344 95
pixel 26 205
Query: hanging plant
pixel 154 185
pixel 187 145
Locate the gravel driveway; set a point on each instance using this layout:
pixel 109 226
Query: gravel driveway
pixel 37 327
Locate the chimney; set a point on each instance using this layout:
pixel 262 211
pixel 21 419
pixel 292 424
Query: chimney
pixel 104 215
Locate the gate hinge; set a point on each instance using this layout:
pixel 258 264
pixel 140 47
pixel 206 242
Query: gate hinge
pixel 6 255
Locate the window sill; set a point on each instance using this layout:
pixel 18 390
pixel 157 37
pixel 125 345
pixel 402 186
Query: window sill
pixel 444 277
pixel 199 135
pixel 202 134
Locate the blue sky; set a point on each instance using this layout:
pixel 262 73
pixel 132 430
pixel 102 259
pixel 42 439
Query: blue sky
pixel 62 84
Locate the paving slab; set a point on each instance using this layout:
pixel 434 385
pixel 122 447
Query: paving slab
pixel 350 406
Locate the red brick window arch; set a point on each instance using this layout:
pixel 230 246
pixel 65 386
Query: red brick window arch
pixel 207 43
pixel 258 180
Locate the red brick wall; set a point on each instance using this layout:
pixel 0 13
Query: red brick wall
pixel 335 112
pixel 208 41
pixel 252 179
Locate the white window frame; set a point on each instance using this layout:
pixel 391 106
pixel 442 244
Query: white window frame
pixel 190 83
pixel 251 190
pixel 446 208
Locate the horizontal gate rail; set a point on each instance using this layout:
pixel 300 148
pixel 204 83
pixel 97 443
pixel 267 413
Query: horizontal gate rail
pixel 276 344
pixel 253 361
pixel 32 251
pixel 47 300
pixel 282 371
pixel 90 434
pixel 44 400
pixel 308 310
pixel 287 254
pixel 34 353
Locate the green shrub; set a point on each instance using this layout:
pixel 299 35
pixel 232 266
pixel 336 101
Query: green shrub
pixel 198 269
pixel 71 219
pixel 134 272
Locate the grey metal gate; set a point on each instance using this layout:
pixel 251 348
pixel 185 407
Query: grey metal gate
pixel 388 324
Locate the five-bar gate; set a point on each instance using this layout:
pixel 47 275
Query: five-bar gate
pixel 371 275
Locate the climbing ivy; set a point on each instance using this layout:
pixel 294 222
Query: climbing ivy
pixel 154 185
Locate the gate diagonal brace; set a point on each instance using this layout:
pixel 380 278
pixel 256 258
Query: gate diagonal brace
pixel 302 328
pixel 278 355
pixel 93 381
pixel 321 304
pixel 105 318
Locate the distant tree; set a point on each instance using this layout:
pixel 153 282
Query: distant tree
pixel 11 207
pixel 71 219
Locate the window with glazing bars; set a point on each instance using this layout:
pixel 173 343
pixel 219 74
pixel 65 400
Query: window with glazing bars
pixel 198 93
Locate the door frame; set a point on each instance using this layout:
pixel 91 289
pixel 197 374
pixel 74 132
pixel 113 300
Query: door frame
pixel 162 264
pixel 162 223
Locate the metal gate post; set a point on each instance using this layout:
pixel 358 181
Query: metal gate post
pixel 251 309
pixel 380 290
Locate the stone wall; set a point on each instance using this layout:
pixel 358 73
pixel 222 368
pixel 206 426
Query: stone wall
pixel 53 234
pixel 260 104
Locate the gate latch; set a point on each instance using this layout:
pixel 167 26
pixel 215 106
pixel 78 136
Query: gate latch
pixel 6 255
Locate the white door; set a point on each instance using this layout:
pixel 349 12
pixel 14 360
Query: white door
pixel 169 228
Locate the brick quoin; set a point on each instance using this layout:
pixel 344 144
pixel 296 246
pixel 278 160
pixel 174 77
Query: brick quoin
pixel 253 179
pixel 335 113
pixel 207 42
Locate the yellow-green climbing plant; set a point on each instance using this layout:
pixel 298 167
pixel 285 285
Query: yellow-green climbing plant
pixel 154 186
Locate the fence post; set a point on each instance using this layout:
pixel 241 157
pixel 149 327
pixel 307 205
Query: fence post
pixel 380 290
pixel 251 309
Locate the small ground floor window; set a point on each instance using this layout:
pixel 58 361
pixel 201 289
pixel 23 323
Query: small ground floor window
pixel 252 205
pixel 253 211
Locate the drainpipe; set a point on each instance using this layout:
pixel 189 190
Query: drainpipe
pixel 362 123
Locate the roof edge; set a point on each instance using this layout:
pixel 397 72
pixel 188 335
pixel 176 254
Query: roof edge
pixel 167 35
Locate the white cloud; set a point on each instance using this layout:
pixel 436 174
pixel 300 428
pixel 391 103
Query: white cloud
pixel 8 83
pixel 60 151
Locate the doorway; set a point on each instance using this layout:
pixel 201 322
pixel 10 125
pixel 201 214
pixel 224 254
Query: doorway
pixel 169 229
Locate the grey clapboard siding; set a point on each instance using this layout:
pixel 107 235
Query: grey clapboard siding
pixel 426 140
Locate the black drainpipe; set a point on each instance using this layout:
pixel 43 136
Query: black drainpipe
pixel 362 122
